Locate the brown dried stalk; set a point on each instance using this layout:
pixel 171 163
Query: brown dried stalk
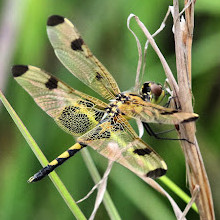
pixel 196 172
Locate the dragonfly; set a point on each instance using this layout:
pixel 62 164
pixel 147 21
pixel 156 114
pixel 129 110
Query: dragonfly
pixel 101 125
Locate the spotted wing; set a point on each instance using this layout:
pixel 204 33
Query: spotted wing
pixel 148 112
pixel 73 111
pixel 115 139
pixel 78 59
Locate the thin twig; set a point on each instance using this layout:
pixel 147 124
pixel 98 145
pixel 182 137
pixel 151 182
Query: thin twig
pixel 109 205
pixel 101 189
pixel 189 205
pixel 162 26
pixel 165 65
pixel 101 184
pixel 137 80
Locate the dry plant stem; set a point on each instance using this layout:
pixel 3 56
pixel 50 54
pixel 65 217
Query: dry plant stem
pixel 166 67
pixel 137 80
pixel 101 185
pixel 194 196
pixel 189 14
pixel 195 168
pixel 162 26
pixel 101 189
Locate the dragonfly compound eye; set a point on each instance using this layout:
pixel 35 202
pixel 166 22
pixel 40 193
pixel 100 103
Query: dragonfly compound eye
pixel 156 89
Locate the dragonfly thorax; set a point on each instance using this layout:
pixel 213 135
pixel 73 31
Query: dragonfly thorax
pixel 122 97
pixel 114 108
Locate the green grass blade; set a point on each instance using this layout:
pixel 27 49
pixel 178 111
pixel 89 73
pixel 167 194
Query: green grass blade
pixel 33 145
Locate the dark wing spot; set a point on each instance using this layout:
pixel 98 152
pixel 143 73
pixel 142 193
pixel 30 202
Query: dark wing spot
pixel 51 83
pixel 142 152
pixel 169 113
pixel 55 20
pixel 190 119
pixel 77 44
pixel 98 76
pixel 19 70
pixel 156 173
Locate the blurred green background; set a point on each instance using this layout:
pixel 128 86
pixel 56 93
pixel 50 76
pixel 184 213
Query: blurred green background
pixel 23 40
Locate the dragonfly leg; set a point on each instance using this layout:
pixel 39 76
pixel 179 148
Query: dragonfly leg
pixel 56 162
pixel 152 133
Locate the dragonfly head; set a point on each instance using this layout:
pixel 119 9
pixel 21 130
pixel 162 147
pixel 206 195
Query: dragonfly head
pixel 152 92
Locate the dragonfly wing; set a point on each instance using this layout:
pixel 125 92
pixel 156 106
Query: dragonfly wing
pixel 78 59
pixel 151 113
pixel 115 139
pixel 73 111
